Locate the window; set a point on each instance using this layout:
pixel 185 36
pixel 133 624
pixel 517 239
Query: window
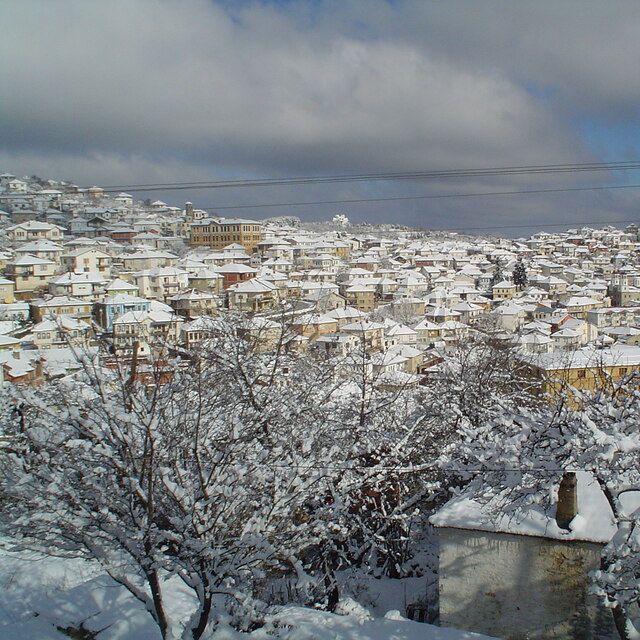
pixel 582 373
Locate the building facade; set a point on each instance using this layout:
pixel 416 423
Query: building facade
pixel 217 234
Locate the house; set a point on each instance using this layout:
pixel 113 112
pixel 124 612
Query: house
pixel 427 334
pixel 401 334
pixel 154 331
pixel 10 343
pixel 362 297
pixel 7 288
pixel 17 186
pixel 117 286
pixel 147 259
pixel 524 574
pixel 161 282
pixel 197 331
pixel 193 303
pixel 86 259
pixel 107 309
pixel 407 307
pixel 345 315
pixel 205 280
pixel 371 334
pixel 60 331
pixel 314 325
pixel 263 334
pixel 34 230
pixel 21 367
pixel 252 295
pixel 60 306
pixel 86 285
pixel 510 316
pixel 578 306
pixel 586 369
pixel 503 290
pixel 41 249
pixel 336 344
pixel 325 300
pixel 29 274
pixel 16 312
pixel 232 273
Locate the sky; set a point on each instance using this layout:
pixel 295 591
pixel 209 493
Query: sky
pixel 131 92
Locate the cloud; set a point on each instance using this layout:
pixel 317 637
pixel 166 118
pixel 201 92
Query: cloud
pixel 580 52
pixel 256 91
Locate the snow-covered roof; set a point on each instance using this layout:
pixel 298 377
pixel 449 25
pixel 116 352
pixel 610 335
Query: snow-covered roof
pixel 619 355
pixel 594 521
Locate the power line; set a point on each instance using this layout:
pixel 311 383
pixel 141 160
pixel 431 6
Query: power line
pixel 370 177
pixel 426 197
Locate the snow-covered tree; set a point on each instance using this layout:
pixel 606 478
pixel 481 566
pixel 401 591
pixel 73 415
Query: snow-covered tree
pixel 217 471
pixel 169 479
pixel 479 378
pixel 498 273
pixel 516 459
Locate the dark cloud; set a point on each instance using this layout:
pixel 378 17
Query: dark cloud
pixel 139 91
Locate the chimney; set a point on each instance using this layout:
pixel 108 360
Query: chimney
pixel 567 508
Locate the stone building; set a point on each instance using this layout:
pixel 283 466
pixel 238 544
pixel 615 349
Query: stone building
pixel 522 575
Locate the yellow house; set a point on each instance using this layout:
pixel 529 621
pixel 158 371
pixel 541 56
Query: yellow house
pixel 9 343
pixel 585 369
pixel 7 288
pixel 362 297
pixel 342 249
pixel 313 326
pixel 578 306
pixel 30 273
pixel 60 306
pixel 503 290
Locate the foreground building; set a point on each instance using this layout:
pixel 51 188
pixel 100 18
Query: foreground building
pixel 523 575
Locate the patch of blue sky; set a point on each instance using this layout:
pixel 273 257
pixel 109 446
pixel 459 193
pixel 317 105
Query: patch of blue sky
pixel 610 141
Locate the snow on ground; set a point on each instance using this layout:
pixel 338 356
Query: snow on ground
pixel 40 593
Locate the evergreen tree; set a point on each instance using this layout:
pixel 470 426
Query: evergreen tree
pixel 498 274
pixel 520 274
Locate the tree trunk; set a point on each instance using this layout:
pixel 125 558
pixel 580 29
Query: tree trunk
pixel 203 618
pixel 156 594
pixel 333 594
pixel 621 622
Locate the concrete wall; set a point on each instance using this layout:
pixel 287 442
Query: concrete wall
pixel 516 587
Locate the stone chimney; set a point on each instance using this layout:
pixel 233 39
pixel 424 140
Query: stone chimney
pixel 567 508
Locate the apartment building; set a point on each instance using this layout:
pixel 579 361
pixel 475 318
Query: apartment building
pixel 217 234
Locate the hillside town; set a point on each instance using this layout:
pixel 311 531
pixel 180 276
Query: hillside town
pixel 403 404
pixel 81 267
